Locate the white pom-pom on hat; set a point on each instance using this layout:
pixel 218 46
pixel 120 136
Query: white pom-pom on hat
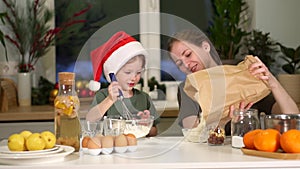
pixel 94 85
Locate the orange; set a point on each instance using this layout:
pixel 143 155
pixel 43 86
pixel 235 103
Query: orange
pixel 290 141
pixel 248 138
pixel 267 140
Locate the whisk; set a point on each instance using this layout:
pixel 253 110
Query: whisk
pixel 126 113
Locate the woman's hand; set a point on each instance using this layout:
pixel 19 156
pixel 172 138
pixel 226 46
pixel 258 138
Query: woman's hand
pixel 242 106
pixel 113 91
pixel 260 70
pixel 286 104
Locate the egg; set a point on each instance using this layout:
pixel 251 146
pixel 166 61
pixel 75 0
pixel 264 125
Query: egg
pixel 84 144
pixel 85 140
pixel 94 143
pixel 131 139
pixel 107 141
pixel 121 141
pixel 107 144
pixel 99 136
pixel 132 142
pixel 94 146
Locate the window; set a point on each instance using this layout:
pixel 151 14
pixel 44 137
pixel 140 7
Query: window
pixel 104 16
pixel 73 54
pixel 177 15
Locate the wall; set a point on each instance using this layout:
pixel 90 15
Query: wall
pixel 280 18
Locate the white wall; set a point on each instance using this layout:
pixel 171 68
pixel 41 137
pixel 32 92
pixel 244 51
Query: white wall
pixel 279 17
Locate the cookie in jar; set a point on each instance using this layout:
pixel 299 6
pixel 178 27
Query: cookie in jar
pixel 216 136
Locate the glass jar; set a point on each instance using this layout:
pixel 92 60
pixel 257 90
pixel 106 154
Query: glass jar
pixel 216 136
pixel 66 106
pixel 242 122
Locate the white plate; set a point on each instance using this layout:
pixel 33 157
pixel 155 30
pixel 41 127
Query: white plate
pixel 5 150
pixel 57 149
pixel 22 159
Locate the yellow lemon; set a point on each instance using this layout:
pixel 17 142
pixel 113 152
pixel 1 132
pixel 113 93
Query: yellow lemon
pixel 49 138
pixel 35 142
pixel 16 142
pixel 25 133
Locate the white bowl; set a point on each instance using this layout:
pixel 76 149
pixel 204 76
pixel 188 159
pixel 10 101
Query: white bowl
pixel 139 127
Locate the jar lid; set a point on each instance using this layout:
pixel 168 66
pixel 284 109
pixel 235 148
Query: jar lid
pixel 248 112
pixel 66 78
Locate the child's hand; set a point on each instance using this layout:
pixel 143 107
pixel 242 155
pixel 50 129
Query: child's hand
pixel 113 91
pixel 144 115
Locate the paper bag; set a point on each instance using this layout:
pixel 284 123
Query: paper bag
pixel 216 88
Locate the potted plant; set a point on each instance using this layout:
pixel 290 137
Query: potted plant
pixel 2 15
pixel 226 31
pixel 261 45
pixel 291 80
pixel 7 67
pixel 292 57
pixel 29 30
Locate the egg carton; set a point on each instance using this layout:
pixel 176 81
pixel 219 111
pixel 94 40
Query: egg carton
pixel 106 151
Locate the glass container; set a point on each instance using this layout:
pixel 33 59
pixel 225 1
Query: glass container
pixel 242 122
pixel 216 136
pixel 66 106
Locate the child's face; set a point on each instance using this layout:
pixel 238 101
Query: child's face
pixel 130 74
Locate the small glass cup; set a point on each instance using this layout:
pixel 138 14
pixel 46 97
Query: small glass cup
pixel 113 126
pixel 216 136
pixel 91 128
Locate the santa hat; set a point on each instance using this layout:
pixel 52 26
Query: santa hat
pixel 112 55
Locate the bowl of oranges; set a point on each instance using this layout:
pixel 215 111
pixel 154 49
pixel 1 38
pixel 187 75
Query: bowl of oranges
pixel 273 144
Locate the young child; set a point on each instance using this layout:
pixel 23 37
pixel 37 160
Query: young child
pixel 126 58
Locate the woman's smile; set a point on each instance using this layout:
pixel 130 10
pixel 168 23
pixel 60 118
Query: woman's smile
pixel 194 68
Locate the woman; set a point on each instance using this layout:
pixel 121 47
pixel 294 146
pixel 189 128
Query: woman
pixel 192 51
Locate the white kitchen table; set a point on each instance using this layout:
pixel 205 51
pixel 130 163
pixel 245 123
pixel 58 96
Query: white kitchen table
pixel 166 152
